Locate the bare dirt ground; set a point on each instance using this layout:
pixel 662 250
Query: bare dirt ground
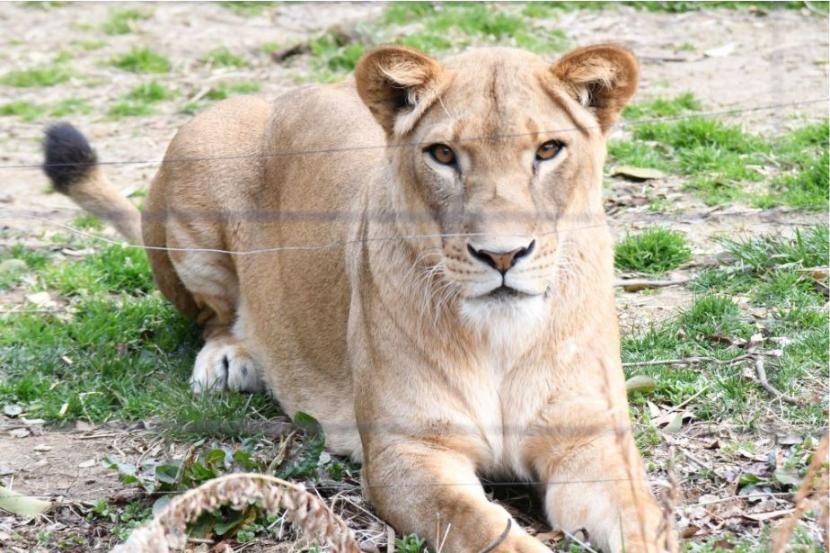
pixel 753 60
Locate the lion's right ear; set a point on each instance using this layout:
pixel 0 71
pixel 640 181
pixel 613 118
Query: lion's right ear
pixel 397 84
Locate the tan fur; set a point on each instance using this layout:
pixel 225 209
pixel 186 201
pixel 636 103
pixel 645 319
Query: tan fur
pixel 380 336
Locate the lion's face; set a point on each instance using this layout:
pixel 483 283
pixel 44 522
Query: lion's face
pixel 501 155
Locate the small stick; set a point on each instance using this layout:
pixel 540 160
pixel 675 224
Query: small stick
pixel 761 373
pixel 635 284
pixel 687 361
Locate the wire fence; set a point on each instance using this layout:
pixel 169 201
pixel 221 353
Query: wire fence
pixel 485 138
pixel 266 217
pixel 453 218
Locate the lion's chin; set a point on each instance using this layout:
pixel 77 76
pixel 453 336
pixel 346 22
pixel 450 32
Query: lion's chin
pixel 502 309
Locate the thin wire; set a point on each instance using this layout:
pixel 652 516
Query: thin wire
pixel 289 153
pixel 331 245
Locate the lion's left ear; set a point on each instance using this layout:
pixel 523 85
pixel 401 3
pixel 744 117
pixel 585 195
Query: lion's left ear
pixel 397 84
pixel 603 78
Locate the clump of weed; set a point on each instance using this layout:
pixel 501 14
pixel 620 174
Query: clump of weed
pixel 247 8
pixel 25 110
pixel 120 21
pixel 221 92
pixel 44 76
pixel 655 250
pixel 29 111
pixel 70 106
pixel 663 107
pixel 142 60
pixel 140 100
pixel 714 316
pixel 806 183
pixel 222 57
pixel 808 247
pixel 90 45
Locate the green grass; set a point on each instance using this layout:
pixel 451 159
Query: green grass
pixel 663 107
pixel 43 76
pixel 435 29
pixel 222 91
pixel 248 9
pixel 17 261
pixel 90 45
pixel 766 272
pixel 269 48
pixel 549 9
pixel 222 57
pixel 655 250
pixel 139 101
pixel 120 22
pixel 70 106
pixel 803 153
pixel 25 110
pixel 142 60
pixel 120 352
pixel 29 111
pixel 721 161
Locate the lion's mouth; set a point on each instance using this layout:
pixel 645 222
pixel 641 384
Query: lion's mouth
pixel 504 293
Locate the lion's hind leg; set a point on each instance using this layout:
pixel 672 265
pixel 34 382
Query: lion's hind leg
pixel 224 362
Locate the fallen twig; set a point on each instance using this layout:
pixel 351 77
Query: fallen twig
pixel 761 374
pixel 687 361
pixel 637 284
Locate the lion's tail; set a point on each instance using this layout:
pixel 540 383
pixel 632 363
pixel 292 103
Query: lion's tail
pixel 72 166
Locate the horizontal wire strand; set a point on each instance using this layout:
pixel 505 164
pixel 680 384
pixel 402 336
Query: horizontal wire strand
pixel 290 153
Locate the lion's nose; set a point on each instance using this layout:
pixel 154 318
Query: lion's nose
pixel 501 261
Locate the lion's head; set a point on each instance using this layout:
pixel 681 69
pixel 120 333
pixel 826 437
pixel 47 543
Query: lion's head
pixel 501 153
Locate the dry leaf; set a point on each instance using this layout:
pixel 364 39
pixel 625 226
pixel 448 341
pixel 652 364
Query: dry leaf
pixel 637 173
pixel 21 505
pixel 640 383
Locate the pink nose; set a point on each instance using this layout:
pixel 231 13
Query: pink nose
pixel 501 261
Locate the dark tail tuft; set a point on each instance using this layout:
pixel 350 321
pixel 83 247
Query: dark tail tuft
pixel 69 157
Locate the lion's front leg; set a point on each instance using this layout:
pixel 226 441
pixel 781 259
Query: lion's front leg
pixel 595 481
pixel 421 487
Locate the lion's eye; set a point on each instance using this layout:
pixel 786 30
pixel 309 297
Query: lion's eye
pixel 548 150
pixel 442 153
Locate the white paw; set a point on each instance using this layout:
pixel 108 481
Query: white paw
pixel 224 365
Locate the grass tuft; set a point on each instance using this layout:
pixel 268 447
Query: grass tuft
pixel 221 92
pixel 655 250
pixel 142 60
pixel 47 75
pixel 121 22
pixel 663 107
pixel 139 101
pixel 222 57
pixel 29 111
pixel 247 8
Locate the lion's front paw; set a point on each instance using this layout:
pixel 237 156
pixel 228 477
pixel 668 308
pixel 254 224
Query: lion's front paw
pixel 224 364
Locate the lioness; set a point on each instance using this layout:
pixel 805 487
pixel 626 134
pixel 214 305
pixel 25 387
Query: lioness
pixel 431 278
